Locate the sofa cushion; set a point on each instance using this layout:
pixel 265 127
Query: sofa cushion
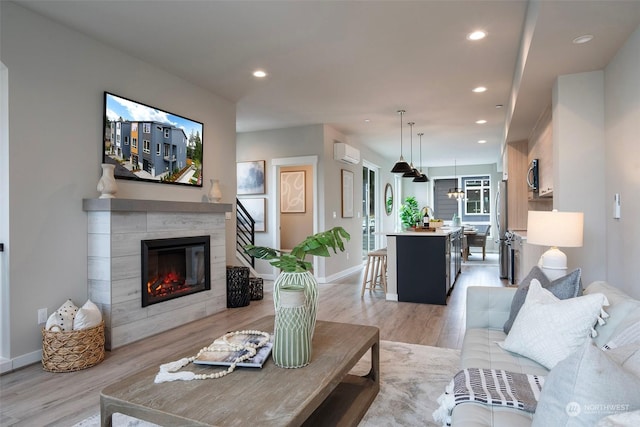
pixel 564 287
pixel 623 311
pixel 480 349
pixel 585 387
pixel 469 414
pixel 548 329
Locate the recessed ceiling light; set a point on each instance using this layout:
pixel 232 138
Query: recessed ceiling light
pixel 367 120
pixel 481 122
pixel 482 141
pixel 583 39
pixel 259 73
pixel 476 35
pixel 480 89
pixel 499 105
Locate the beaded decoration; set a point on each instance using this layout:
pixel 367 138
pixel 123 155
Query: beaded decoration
pixel 169 371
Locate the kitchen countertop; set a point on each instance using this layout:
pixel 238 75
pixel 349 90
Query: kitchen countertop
pixel 440 232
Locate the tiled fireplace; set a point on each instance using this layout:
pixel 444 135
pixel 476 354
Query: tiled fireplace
pixel 117 232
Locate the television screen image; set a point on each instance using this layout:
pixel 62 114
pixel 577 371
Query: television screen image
pixel 149 144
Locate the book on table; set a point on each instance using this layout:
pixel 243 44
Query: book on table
pixel 226 358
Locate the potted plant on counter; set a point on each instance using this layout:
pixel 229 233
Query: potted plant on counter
pixel 295 294
pixel 410 213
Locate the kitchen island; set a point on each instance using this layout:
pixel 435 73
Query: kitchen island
pixel 422 266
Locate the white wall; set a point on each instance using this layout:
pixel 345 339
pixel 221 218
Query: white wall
pixel 622 133
pixel 56 82
pixel 306 141
pixel 579 167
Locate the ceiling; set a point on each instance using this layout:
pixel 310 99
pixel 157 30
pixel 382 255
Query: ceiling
pixel 353 64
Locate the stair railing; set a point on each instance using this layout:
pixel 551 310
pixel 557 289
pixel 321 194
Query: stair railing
pixel 245 232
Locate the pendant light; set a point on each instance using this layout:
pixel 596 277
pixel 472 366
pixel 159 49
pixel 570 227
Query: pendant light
pixel 423 176
pixel 413 173
pixel 455 192
pixel 401 166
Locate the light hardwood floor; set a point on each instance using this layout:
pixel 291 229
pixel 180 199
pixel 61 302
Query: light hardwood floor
pixel 33 397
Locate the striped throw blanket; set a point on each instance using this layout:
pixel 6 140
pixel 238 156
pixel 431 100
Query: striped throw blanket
pixel 490 387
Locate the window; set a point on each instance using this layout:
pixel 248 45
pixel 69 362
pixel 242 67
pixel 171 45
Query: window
pixel 157 149
pixel 146 146
pixel 146 127
pixel 134 127
pixel 166 132
pixel 126 140
pixel 477 196
pixel 134 143
pixel 444 207
pixel 167 150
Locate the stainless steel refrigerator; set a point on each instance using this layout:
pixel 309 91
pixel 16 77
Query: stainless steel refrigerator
pixel 500 210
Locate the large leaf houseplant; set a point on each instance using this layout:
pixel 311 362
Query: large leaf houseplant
pixel 295 261
pixel 295 293
pixel 409 212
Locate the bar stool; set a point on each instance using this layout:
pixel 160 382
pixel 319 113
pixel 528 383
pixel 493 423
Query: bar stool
pixel 375 273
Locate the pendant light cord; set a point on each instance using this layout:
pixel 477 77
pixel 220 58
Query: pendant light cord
pixel 401 113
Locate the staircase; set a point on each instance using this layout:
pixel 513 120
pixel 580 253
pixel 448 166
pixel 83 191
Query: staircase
pixel 245 235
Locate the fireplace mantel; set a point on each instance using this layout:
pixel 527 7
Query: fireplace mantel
pixel 135 205
pixel 116 229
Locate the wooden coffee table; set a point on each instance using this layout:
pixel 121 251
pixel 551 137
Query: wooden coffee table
pixel 320 394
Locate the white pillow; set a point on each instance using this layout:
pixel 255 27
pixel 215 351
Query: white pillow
pixel 87 317
pixel 62 318
pixel 585 387
pixel 548 329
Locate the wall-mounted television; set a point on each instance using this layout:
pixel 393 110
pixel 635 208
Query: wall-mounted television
pixel 152 145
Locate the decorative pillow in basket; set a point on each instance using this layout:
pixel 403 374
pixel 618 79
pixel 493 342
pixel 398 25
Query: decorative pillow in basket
pixel 73 338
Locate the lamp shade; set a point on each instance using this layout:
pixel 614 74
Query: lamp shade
pixel 553 228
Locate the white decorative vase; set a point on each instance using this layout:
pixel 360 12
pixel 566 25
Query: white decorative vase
pixel 107 185
pixel 295 298
pixel 215 195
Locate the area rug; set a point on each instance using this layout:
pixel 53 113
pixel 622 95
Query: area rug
pixel 411 379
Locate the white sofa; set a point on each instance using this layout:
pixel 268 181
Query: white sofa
pixel 487 310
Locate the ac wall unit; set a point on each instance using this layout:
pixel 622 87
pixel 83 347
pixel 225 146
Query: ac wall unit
pixel 346 153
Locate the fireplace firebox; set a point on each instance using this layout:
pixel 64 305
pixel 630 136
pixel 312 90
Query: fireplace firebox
pixel 173 268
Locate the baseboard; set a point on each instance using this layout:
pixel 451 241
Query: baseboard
pixel 340 275
pixel 8 365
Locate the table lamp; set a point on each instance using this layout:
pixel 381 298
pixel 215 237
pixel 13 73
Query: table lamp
pixel 553 228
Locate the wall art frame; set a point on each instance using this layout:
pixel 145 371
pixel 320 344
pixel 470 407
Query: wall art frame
pixel 347 193
pixel 250 177
pixel 292 192
pixel 256 208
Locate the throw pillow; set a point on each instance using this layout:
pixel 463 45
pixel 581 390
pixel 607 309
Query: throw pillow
pixel 584 388
pixel 88 316
pixel 548 329
pixel 569 286
pixel 62 318
pixel 629 335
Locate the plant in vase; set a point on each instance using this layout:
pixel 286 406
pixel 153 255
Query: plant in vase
pixel 295 294
pixel 409 212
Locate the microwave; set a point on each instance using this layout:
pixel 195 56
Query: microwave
pixel 532 176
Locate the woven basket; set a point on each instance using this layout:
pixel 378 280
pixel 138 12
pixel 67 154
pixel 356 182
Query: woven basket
pixel 72 350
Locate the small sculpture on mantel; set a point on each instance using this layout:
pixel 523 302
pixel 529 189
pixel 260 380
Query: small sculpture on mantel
pixel 107 184
pixel 215 194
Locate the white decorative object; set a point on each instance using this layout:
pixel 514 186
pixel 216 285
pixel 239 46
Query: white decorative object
pixel 555 229
pixel 107 185
pixel 215 194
